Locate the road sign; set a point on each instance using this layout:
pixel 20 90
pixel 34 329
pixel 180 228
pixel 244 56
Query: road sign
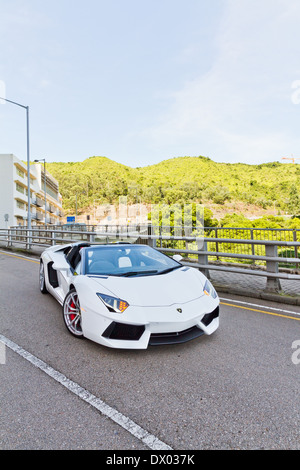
pixel 70 219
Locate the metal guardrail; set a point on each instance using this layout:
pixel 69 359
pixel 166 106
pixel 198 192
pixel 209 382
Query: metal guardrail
pixel 273 256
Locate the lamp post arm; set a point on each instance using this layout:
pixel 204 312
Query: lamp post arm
pixel 14 102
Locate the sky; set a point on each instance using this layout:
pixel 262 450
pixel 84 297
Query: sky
pixel 142 81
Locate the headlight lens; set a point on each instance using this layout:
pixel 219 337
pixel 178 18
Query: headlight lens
pixel 113 304
pixel 209 289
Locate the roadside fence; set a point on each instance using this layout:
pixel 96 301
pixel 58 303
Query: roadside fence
pixel 273 254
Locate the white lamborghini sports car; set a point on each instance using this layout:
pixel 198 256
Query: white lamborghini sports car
pixel 127 295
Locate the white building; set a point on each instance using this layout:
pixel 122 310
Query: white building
pixel 14 194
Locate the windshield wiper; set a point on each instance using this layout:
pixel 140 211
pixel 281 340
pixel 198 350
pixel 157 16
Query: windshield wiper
pixel 102 276
pixel 137 273
pixel 164 271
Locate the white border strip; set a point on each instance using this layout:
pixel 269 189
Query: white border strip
pixel 14 254
pixel 260 306
pixel 148 439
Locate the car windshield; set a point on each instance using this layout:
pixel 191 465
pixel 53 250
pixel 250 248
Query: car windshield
pixel 126 260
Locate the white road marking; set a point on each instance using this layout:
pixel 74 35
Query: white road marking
pixel 17 255
pixel 260 306
pixel 137 431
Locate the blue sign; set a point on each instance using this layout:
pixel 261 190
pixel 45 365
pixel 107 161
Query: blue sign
pixel 70 219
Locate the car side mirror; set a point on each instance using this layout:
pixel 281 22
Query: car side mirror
pixel 61 267
pixel 177 258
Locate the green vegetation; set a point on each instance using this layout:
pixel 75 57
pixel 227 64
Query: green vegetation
pixel 187 180
pixel 182 180
pixel 266 222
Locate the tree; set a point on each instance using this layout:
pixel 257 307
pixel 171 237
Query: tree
pixel 294 201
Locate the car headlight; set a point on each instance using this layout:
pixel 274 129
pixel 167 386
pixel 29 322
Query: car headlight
pixel 113 304
pixel 209 289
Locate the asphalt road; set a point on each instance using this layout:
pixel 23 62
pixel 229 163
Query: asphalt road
pixel 237 389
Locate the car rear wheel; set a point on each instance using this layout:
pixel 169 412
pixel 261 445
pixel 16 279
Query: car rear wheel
pixel 72 314
pixel 43 288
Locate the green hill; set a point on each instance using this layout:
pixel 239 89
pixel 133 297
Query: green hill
pixel 179 180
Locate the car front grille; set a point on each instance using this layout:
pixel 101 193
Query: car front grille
pixel 209 317
pixel 123 331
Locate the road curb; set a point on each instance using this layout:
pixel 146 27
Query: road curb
pixel 21 251
pixel 273 297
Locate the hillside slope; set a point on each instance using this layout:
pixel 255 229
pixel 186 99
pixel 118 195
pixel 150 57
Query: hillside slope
pixel 181 180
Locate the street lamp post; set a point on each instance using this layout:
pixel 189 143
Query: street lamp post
pixel 44 160
pixel 28 163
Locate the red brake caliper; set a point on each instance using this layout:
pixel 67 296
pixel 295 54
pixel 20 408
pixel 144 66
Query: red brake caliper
pixel 72 315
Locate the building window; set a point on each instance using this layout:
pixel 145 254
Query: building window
pixel 26 192
pixel 20 173
pixel 20 222
pixel 19 188
pixel 52 193
pixel 20 205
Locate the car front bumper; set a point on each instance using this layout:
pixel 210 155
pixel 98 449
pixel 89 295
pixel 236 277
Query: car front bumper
pixel 144 326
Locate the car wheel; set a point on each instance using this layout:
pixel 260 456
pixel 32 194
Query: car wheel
pixel 72 314
pixel 43 288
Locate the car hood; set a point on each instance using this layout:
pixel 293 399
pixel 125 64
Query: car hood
pixel 177 287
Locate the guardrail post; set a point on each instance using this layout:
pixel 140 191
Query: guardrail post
pixel 159 236
pixel 53 235
pixel 217 244
pixel 296 248
pixel 9 238
pixel 150 241
pixel 273 283
pixel 28 239
pixel 91 235
pixel 203 258
pixel 252 246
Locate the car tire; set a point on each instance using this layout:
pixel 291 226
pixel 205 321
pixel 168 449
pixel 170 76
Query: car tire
pixel 72 314
pixel 42 279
